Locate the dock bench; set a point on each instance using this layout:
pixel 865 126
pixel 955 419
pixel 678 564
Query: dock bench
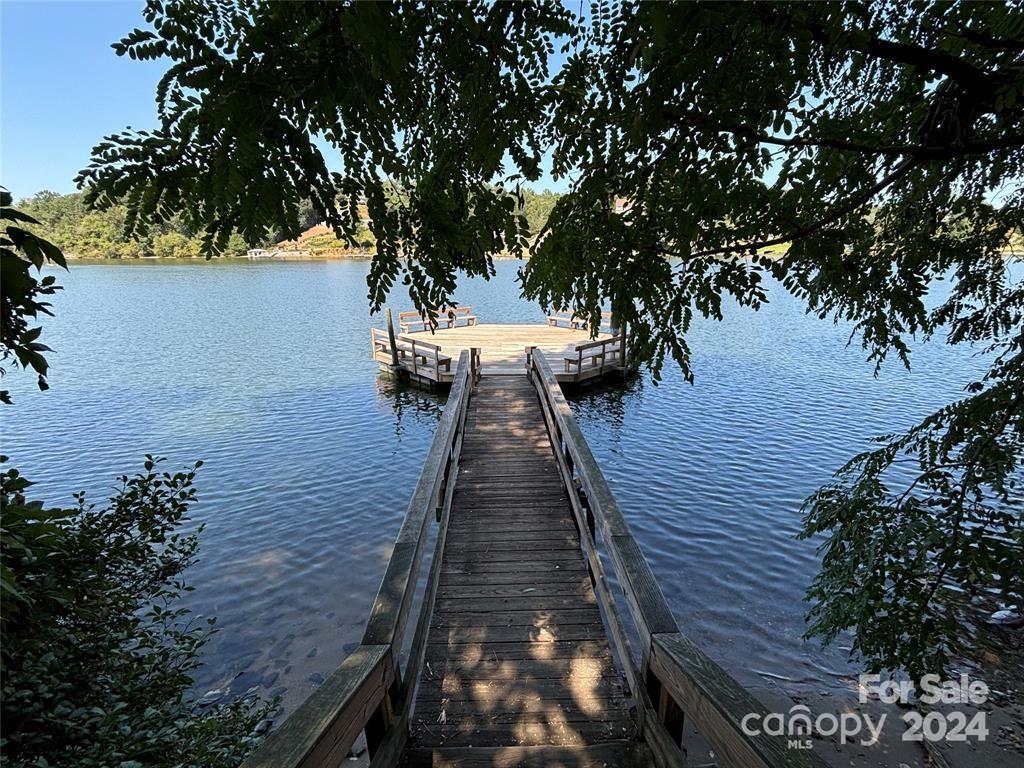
pixel 564 316
pixel 450 319
pixel 576 322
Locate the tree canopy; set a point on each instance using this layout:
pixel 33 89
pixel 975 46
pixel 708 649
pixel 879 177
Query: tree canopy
pixel 880 141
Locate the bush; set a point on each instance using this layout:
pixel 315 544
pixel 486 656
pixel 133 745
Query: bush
pixel 97 655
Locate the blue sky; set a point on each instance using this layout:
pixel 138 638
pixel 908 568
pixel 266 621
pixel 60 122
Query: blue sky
pixel 62 88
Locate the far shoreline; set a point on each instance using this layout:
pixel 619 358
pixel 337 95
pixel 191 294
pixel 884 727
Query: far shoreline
pixel 361 256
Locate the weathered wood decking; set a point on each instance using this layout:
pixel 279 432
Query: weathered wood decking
pixel 519 656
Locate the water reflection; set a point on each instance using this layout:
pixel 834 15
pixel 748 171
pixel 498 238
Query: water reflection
pixel 409 402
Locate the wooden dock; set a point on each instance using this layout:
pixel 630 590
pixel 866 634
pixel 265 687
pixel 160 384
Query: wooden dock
pixel 516 654
pixel 429 357
pixel 519 655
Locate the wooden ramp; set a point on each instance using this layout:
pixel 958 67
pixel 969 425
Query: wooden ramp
pixel 518 668
pixel 519 657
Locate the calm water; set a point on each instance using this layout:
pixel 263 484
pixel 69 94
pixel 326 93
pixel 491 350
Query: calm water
pixel 263 371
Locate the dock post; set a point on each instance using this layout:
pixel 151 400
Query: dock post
pixel 391 340
pixel 619 329
pixel 625 347
pixel 475 364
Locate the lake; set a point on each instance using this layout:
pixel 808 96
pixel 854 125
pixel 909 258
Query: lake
pixel 263 371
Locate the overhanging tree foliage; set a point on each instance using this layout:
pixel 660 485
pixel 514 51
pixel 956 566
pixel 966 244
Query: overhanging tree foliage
pixel 423 102
pixel 881 143
pixel 23 296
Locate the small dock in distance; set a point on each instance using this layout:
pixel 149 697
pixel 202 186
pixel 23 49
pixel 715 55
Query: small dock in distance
pixel 427 356
pixel 519 656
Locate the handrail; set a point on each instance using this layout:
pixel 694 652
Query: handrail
pixel 419 343
pixel 366 693
pixel 676 678
pixel 600 343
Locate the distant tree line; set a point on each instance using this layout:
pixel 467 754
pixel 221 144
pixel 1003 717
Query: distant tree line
pixel 67 222
pixel 81 233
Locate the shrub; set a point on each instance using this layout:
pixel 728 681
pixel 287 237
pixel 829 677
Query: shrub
pixel 97 653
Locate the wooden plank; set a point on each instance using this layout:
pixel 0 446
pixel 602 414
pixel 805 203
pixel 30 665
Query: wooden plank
pixel 523 633
pixel 574 587
pixel 518 559
pixel 516 538
pixel 497 444
pixel 525 569
pixel 510 465
pixel 509 550
pixel 471 484
pixel 608 755
pixel 553 732
pixel 522 671
pixel 551 710
pixel 506 473
pixel 493 515
pixel 459 576
pixel 494 486
pixel 493 532
pixel 511 506
pixel 556 650
pixel 518 427
pixel 492 693
pixel 535 619
pixel 717 704
pixel 568 705
pixel 496 522
pixel 324 727
pixel 517 603
pixel 513 499
pixel 505 530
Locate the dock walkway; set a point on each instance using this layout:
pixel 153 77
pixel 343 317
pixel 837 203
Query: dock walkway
pixel 519 656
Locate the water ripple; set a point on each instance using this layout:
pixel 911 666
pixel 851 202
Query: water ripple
pixel 262 371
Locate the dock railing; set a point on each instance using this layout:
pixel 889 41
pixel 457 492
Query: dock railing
pixel 675 679
pixel 420 358
pixel 370 692
pixel 596 356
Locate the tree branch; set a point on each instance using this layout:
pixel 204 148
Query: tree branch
pixel 934 152
pixel 816 226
